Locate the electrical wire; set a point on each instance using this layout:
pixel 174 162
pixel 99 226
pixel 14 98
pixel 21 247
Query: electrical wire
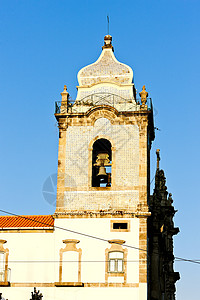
pixel 72 231
pixel 97 238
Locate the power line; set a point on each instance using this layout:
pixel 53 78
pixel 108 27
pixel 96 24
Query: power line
pixel 152 179
pixel 94 261
pixel 72 231
pixel 187 260
pixel 95 237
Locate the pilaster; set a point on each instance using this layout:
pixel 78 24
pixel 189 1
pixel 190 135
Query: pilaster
pixel 62 125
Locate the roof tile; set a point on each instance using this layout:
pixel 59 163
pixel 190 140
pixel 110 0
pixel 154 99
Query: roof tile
pixel 26 221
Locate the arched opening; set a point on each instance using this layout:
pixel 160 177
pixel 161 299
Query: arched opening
pixel 101 163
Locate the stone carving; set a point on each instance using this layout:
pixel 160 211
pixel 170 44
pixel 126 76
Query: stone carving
pixel 160 181
pixel 143 94
pixel 161 230
pixel 62 126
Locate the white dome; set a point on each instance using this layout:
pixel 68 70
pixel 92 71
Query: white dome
pixel 105 69
pixel 105 82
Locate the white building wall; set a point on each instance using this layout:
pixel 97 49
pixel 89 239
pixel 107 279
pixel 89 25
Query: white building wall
pixel 94 250
pixel 43 247
pixel 27 255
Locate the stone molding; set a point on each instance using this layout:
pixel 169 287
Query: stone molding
pixel 143 250
pixel 116 245
pixel 70 245
pixel 6 253
pixel 73 284
pixel 98 214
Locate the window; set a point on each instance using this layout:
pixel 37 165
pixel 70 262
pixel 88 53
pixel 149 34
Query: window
pixel 120 225
pixel 116 262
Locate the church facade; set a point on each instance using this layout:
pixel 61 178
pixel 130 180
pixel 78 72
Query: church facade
pixel 102 241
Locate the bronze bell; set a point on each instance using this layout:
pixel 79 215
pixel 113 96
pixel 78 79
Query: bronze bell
pixel 102 171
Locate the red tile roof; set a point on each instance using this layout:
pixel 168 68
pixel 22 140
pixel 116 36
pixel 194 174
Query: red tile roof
pixel 26 221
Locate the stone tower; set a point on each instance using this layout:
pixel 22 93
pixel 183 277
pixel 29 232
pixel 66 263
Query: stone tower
pixel 103 166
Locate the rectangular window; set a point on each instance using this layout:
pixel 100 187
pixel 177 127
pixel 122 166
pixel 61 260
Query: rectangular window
pixel 120 225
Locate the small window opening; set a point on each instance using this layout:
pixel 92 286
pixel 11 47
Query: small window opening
pixel 120 225
pixel 101 163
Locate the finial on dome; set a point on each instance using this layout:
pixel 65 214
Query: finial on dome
pixel 108 42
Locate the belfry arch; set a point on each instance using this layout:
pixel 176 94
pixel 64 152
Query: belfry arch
pixel 101 163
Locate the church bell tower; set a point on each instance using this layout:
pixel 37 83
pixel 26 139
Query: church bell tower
pixel 103 179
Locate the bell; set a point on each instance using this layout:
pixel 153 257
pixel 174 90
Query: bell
pixel 102 171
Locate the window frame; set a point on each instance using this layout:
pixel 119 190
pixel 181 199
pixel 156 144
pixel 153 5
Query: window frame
pixel 5 271
pixel 70 245
pixel 116 262
pixel 116 246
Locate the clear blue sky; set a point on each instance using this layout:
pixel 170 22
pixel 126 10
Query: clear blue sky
pixel 43 44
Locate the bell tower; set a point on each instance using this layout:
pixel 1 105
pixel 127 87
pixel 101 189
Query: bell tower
pixel 105 138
